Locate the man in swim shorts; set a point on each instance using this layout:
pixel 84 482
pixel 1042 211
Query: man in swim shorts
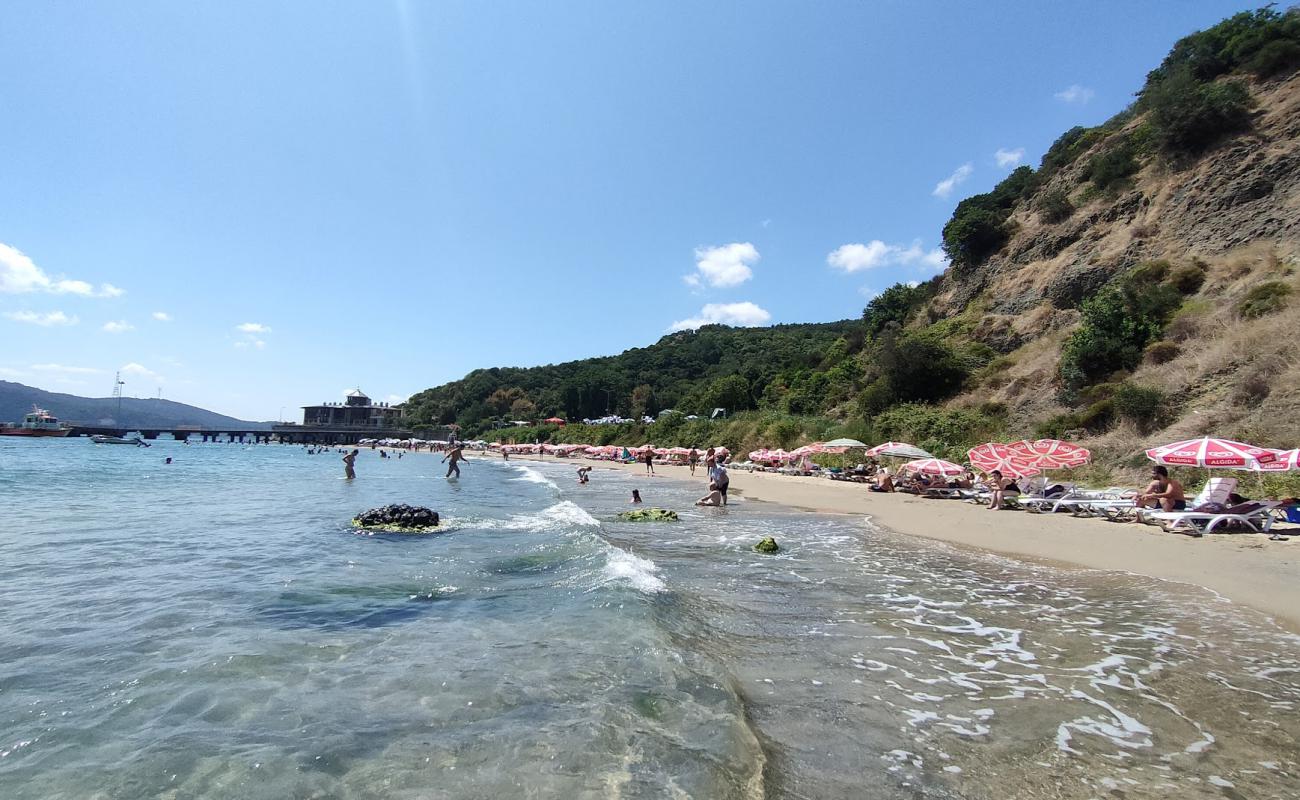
pixel 456 455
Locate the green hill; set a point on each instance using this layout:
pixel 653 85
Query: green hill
pixel 17 399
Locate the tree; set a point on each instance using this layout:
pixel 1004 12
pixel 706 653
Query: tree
pixel 523 409
pixel 643 401
pixel 730 392
pixel 502 400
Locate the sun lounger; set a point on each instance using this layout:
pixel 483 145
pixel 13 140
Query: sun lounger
pixel 1253 516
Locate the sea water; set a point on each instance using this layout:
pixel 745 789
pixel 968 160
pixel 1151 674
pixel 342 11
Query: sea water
pixel 214 628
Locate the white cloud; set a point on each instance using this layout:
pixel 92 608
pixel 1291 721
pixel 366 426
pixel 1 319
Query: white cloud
pixel 162 316
pixel 19 275
pixel 945 186
pixel 244 344
pixel 720 267
pixel 66 370
pixel 141 372
pixel 394 399
pixel 856 257
pixel 252 327
pixel 745 315
pixel 1076 94
pixel 1009 158
pixel 45 320
pixel 117 326
pixel 767 222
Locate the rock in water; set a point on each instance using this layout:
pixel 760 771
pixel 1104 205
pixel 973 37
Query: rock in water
pixel 649 515
pixel 397 519
pixel 768 545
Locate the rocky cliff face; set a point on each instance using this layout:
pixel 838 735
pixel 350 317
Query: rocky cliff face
pixel 1233 210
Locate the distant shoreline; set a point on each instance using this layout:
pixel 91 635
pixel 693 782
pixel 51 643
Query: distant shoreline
pixel 1244 568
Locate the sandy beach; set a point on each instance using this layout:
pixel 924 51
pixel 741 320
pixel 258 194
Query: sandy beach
pixel 1245 568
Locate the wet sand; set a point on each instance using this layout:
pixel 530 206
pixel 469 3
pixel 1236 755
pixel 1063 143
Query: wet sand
pixel 1245 568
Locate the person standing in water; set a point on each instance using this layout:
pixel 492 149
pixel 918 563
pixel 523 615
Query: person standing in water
pixel 455 455
pixel 349 461
pixel 692 459
pixel 649 461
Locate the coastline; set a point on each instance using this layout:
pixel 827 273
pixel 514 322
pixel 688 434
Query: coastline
pixel 1245 568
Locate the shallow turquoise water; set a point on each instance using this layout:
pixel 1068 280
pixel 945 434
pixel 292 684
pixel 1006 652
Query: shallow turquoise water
pixel 214 628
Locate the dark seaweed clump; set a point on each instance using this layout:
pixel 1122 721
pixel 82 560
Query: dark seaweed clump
pixel 400 515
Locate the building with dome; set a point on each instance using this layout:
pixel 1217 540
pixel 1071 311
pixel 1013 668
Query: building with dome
pixel 356 418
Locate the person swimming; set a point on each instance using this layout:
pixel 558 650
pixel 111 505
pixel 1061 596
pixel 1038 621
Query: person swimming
pixel 636 495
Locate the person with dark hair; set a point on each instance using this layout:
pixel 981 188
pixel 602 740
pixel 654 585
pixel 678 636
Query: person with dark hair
pixel 636 495
pixel 1163 491
pixel 456 454
pixel 1003 488
pixel 349 462
pixel 649 458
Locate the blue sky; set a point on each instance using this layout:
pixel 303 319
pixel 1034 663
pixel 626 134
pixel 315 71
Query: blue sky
pixel 252 205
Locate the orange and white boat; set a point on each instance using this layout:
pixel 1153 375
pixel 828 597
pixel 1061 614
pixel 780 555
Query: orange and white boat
pixel 37 422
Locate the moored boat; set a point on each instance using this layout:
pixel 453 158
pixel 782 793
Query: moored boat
pixel 138 442
pixel 37 422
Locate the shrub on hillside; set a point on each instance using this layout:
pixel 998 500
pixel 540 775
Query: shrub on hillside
pixel 896 304
pixel 1143 406
pixel 1187 115
pixel 1118 323
pixel 1094 419
pixel 918 368
pixel 1068 147
pixel 1263 299
pixel 944 432
pixel 1113 167
pixel 1187 279
pixel 1275 58
pixel 1161 352
pixel 979 224
pixel 1054 206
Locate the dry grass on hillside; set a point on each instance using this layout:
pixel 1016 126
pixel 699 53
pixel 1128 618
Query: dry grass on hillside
pixel 1231 376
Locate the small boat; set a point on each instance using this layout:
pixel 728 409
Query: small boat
pixel 38 422
pixel 135 440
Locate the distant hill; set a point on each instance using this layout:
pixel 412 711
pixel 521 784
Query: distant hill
pixel 17 399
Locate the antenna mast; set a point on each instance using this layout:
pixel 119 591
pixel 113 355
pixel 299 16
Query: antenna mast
pixel 118 383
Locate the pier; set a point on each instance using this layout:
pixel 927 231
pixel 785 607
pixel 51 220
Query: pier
pixel 179 434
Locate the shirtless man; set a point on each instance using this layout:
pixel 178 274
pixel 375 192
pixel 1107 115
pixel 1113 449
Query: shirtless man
pixel 1164 490
pixel 456 455
pixel 349 461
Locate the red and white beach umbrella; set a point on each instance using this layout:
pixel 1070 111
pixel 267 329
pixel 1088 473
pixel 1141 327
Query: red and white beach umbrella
pixel 1212 453
pixel 934 466
pixel 995 456
pixel 1286 461
pixel 1048 454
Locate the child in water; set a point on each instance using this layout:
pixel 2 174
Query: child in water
pixel 636 495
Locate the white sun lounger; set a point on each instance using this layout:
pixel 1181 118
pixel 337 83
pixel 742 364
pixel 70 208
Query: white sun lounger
pixel 1257 518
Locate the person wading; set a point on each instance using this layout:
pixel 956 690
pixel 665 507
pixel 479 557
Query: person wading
pixel 455 455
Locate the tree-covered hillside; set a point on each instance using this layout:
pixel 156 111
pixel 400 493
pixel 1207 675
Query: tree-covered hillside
pixel 792 367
